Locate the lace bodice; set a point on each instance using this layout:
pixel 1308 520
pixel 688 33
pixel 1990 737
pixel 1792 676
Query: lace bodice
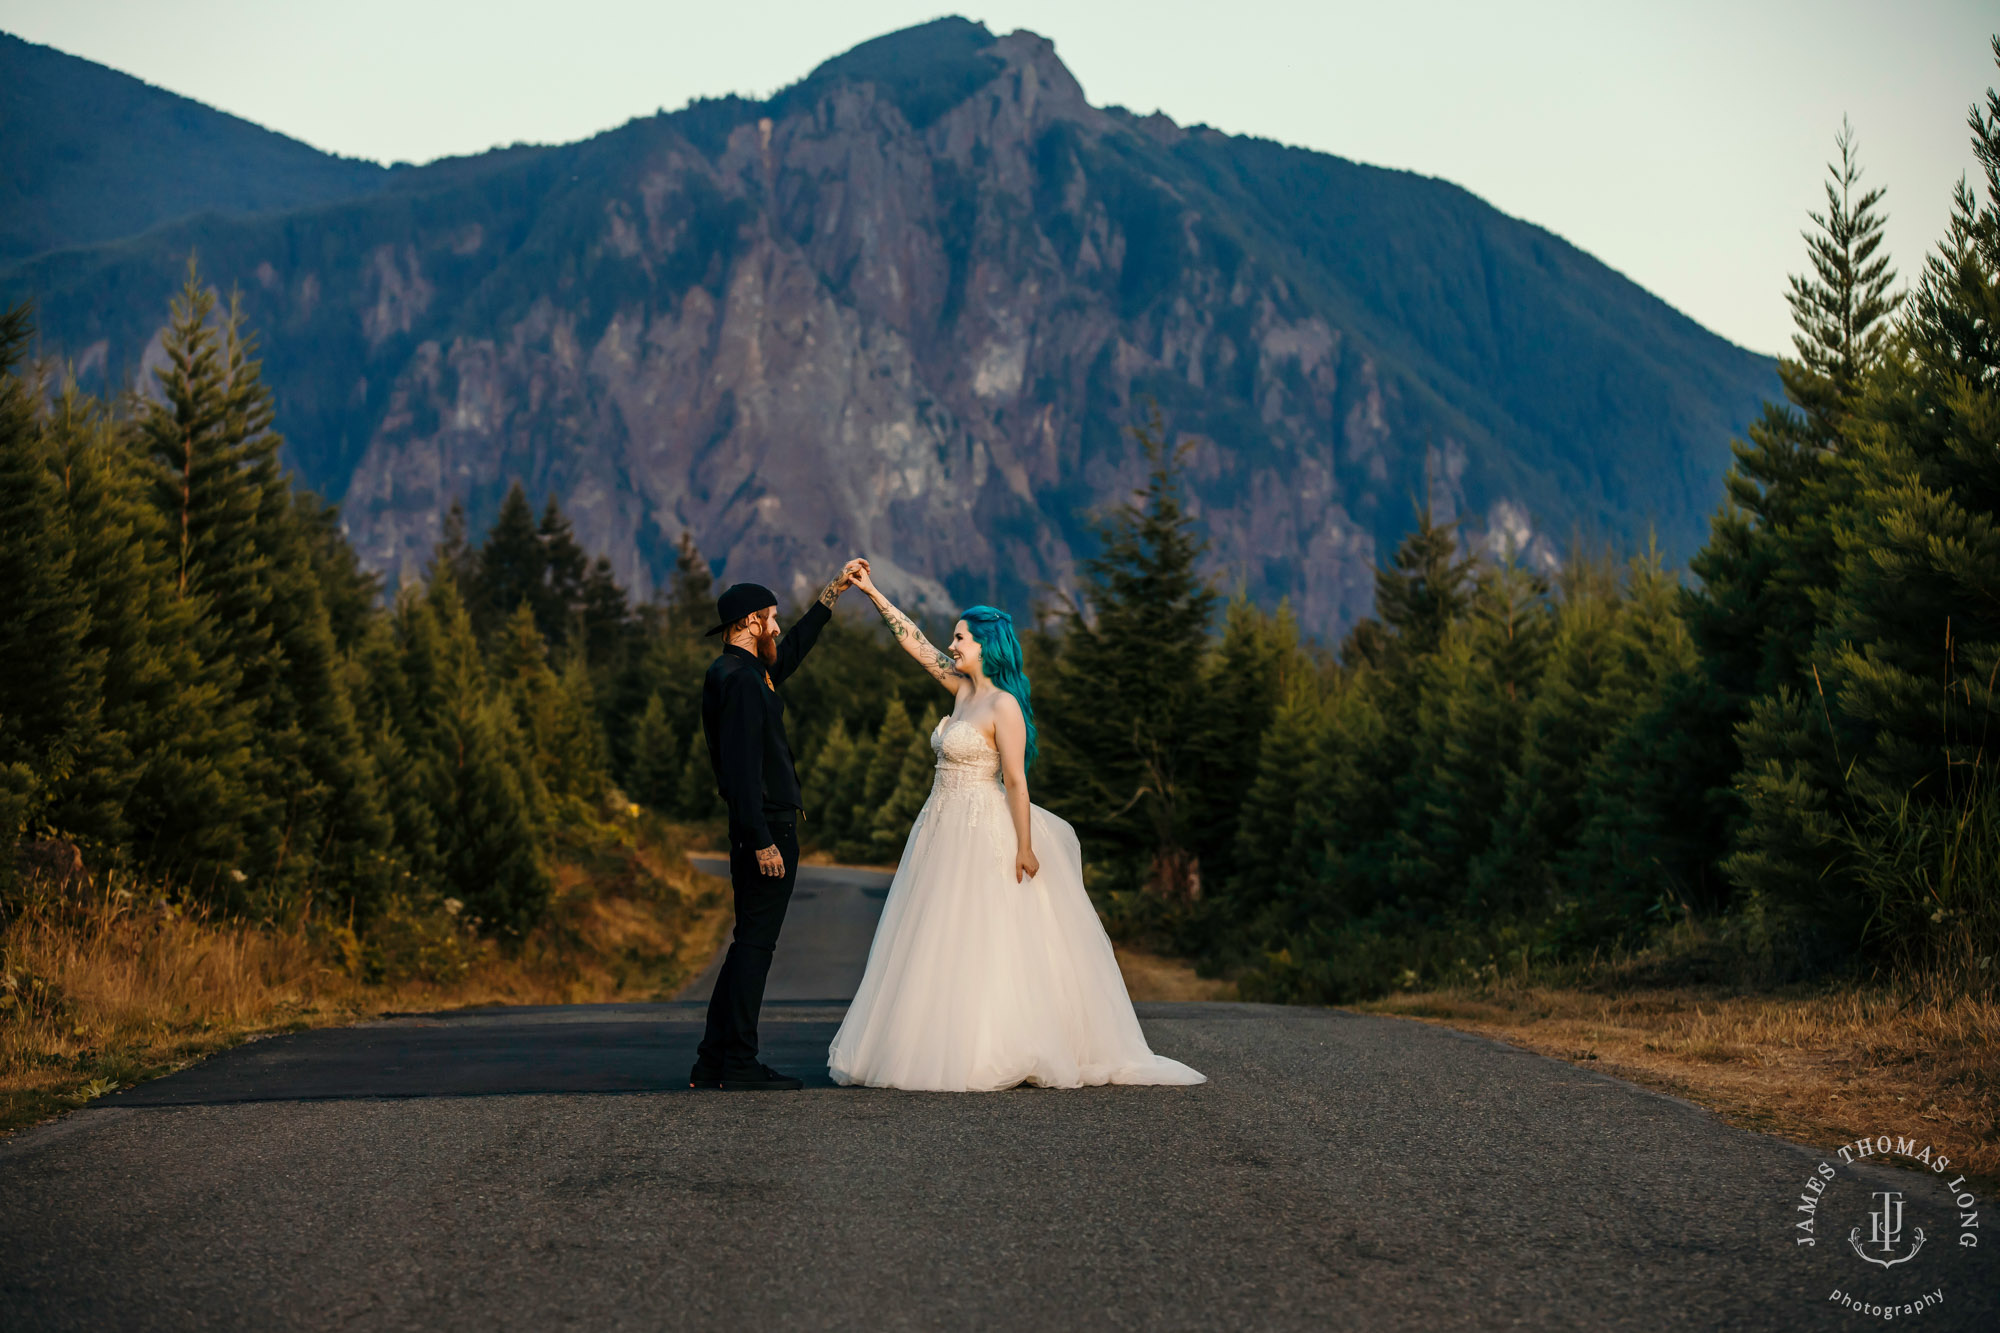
pixel 966 760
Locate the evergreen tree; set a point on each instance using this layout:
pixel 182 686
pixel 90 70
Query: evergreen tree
pixel 1425 588
pixel 691 596
pixel 898 809
pixel 565 571
pixel 49 689
pixel 1472 702
pixel 554 712
pixel 1891 750
pixel 697 797
pixel 1248 675
pixel 885 769
pixel 243 555
pixel 1348 804
pixel 1567 721
pixel 656 759
pixel 454 553
pixel 1771 560
pixel 487 798
pixel 160 780
pixel 1122 712
pixel 1267 865
pixel 1644 840
pixel 512 566
pixel 828 804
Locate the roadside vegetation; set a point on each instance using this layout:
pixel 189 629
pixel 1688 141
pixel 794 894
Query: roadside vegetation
pixel 107 979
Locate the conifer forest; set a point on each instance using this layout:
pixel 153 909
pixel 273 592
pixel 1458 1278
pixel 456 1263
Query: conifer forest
pixel 1790 741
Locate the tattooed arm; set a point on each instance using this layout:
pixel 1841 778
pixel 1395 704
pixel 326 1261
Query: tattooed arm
pixel 929 657
pixel 797 641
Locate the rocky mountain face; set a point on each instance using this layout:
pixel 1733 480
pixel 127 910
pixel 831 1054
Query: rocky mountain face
pixel 909 307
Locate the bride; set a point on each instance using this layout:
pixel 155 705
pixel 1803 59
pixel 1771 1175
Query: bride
pixel 989 967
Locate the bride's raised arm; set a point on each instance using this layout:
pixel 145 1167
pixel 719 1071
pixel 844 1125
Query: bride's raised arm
pixel 930 658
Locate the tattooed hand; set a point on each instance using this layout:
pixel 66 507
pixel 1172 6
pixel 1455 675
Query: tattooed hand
pixel 841 582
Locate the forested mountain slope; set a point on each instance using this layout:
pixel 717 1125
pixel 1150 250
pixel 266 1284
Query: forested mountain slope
pixel 91 155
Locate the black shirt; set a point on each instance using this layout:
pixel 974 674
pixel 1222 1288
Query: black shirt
pixel 744 721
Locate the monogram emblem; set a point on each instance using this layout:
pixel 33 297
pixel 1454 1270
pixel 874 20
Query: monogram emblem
pixel 1885 1232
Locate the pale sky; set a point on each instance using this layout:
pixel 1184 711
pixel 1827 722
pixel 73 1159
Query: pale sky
pixel 1680 143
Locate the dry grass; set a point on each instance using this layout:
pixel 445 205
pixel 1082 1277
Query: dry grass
pixel 1151 976
pixel 105 984
pixel 1818 1067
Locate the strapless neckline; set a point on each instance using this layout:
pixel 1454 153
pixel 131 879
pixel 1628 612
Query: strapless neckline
pixel 949 719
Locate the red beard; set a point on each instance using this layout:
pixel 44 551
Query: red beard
pixel 767 649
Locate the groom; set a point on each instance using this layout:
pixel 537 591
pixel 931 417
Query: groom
pixel 744 721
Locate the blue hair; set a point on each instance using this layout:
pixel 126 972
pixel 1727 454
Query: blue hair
pixel 1000 656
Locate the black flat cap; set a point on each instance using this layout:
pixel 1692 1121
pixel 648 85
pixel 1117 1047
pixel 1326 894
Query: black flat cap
pixel 739 600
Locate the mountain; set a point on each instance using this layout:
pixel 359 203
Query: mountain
pixel 92 155
pixel 908 305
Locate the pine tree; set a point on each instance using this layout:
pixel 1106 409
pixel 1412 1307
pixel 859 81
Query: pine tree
pixel 245 558
pixel 554 712
pixel 49 689
pixel 1900 753
pixel 696 797
pixel 829 807
pixel 161 777
pixel 487 798
pixel 566 569
pixel 1121 713
pixel 1646 830
pixel 691 599
pixel 605 616
pixel 1425 588
pixel 1567 721
pixel 1472 704
pixel 512 566
pixel 1266 864
pixel 912 787
pixel 1252 667
pixel 453 552
pixel 1772 559
pixel 1348 804
pixel 656 759
pixel 1883 743
pixel 885 769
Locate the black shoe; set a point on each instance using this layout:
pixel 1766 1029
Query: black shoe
pixel 760 1078
pixel 704 1076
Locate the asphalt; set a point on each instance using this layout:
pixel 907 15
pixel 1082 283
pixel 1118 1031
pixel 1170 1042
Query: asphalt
pixel 543 1168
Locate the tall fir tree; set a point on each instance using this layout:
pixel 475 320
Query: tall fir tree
pixel 656 759
pixel 511 564
pixel 1122 712
pixel 245 557
pixel 891 820
pixel 49 689
pixel 161 780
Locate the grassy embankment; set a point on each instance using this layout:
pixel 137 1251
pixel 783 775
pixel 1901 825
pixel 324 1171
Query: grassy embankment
pixel 1818 1065
pixel 105 981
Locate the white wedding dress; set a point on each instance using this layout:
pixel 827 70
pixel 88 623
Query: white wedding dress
pixel 976 982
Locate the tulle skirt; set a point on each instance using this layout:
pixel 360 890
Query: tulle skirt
pixel 976 982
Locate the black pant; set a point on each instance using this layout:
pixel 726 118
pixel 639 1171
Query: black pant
pixel 730 1042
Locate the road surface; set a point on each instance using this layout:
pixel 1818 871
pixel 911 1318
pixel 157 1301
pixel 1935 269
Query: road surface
pixel 547 1168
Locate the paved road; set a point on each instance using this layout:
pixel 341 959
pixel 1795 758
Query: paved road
pixel 541 1168
pixel 827 930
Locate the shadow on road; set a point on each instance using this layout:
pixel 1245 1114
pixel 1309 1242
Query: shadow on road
pixel 496 1052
